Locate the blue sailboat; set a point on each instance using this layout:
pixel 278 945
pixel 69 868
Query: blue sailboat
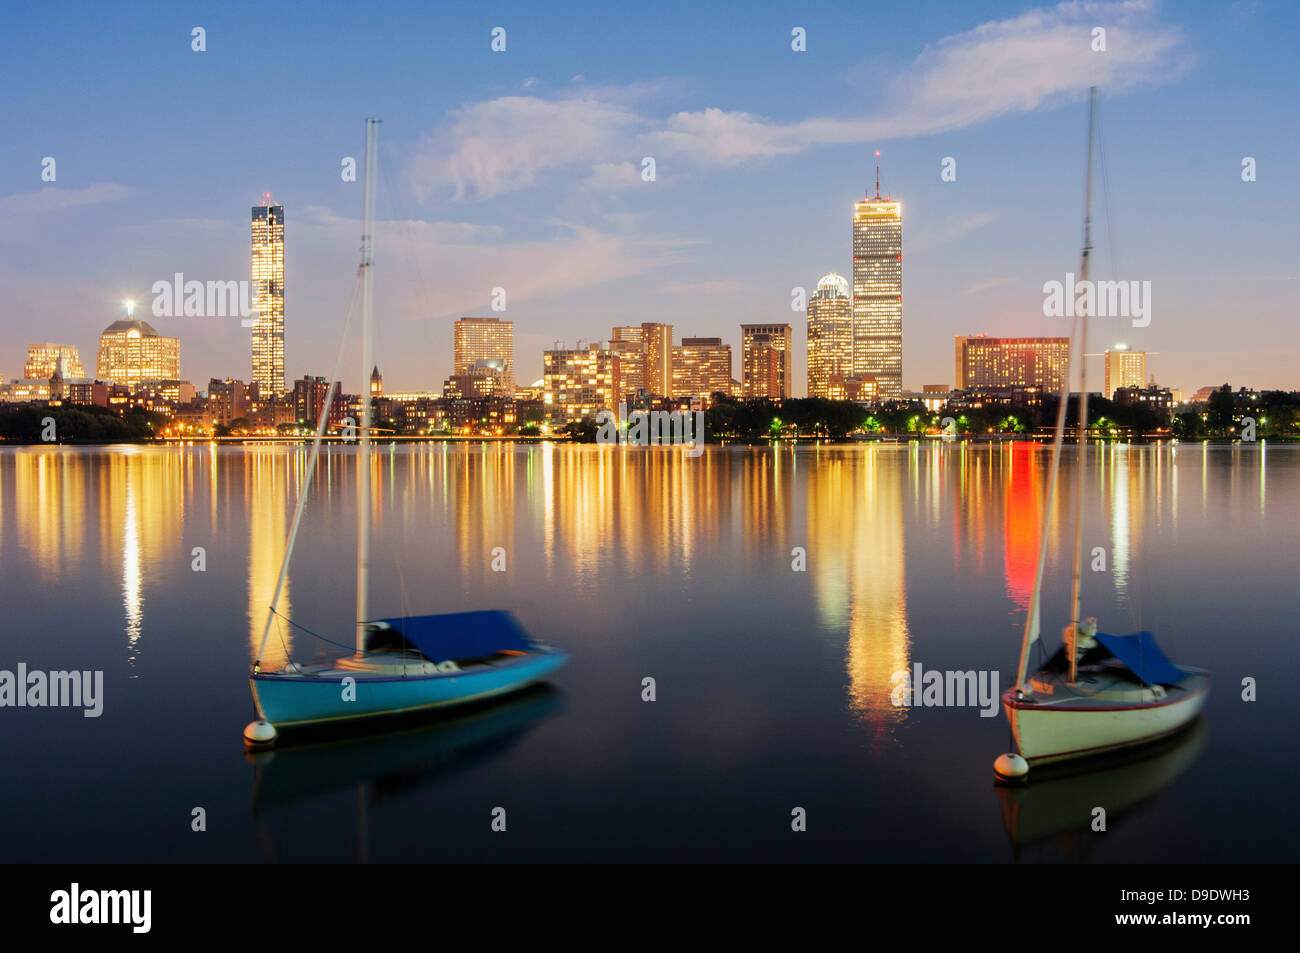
pixel 400 665
pixel 408 665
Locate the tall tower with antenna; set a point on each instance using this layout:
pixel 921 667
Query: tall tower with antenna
pixel 878 292
pixel 267 272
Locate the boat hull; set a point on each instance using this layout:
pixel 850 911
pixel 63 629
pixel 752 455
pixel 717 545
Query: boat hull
pixel 1057 729
pixel 291 700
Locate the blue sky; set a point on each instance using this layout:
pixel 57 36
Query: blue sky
pixel 519 169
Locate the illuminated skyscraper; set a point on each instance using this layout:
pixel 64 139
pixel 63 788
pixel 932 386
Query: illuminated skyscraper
pixel 701 367
pixel 1124 368
pixel 766 355
pixel 830 337
pixel 43 361
pixel 657 345
pixel 998 363
pixel 131 351
pixel 626 342
pixel 485 345
pixel 268 296
pixel 647 357
pixel 878 292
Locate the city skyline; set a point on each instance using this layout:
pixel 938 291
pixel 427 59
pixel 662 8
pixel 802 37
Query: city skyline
pixel 580 241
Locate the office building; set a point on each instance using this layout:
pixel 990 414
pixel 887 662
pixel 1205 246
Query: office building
pixel 579 383
pixel 1008 363
pixel 267 272
pixel 830 337
pixel 131 351
pixel 1125 368
pixel 701 367
pixel 766 360
pixel 485 345
pixel 878 292
pixel 43 361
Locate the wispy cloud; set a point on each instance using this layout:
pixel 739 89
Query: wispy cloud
pixel 614 175
pixel 445 268
pixel 1040 59
pixel 951 231
pixel 17 210
pixel 986 285
pixel 504 144
pixel 701 287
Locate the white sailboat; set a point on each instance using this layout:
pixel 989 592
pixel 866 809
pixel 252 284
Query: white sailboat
pixel 1099 692
pixel 402 664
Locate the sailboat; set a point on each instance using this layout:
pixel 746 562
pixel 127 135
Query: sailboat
pixel 1099 692
pixel 401 664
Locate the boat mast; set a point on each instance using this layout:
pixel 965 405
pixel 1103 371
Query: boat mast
pixel 363 425
pixel 1083 396
pixel 1032 619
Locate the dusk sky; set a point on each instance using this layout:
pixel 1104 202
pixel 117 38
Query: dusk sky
pixel 521 169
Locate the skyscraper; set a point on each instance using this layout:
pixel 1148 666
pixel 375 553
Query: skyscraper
pixel 766 356
pixel 626 342
pixel 268 296
pixel 647 357
pixel 485 345
pixel 1003 363
pixel 878 292
pixel 657 345
pixel 830 336
pixel 1125 368
pixel 131 351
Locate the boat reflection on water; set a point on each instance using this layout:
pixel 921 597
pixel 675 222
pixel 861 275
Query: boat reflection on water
pixel 1058 801
pixel 393 762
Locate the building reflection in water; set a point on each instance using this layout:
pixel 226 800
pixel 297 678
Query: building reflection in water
pixel 131 585
pixel 145 497
pixel 1125 490
pixel 132 499
pixel 856 557
pixel 483 505
pixel 626 510
pixel 1022 501
pixel 271 479
pixel 50 490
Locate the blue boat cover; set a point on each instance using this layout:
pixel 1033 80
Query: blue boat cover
pixel 458 635
pixel 1141 654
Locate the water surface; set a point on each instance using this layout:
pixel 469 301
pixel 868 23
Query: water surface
pixel 772 684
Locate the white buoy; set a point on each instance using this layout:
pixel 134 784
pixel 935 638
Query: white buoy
pixel 1010 766
pixel 259 733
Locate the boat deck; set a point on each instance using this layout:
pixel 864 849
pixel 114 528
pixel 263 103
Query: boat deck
pixel 1106 685
pixel 389 665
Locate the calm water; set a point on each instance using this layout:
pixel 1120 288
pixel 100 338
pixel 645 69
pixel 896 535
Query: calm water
pixel 772 685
